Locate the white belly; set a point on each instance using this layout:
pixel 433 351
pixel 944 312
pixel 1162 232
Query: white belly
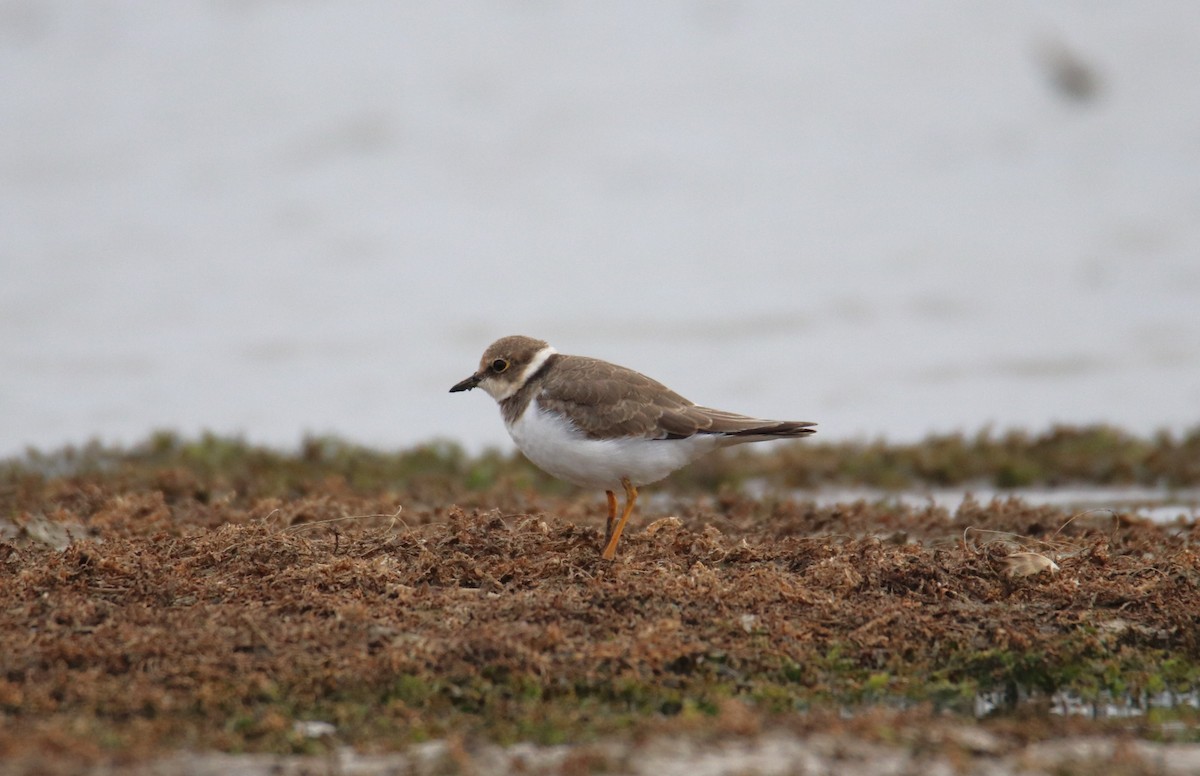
pixel 557 447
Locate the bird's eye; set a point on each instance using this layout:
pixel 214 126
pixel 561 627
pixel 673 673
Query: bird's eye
pixel 499 365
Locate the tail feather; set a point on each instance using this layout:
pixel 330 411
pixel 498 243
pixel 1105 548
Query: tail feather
pixel 732 424
pixel 781 429
pixel 691 419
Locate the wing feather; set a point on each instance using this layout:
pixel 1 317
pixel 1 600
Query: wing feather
pixel 607 400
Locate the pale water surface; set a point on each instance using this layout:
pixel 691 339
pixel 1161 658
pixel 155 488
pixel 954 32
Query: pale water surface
pixel 279 218
pixel 1092 503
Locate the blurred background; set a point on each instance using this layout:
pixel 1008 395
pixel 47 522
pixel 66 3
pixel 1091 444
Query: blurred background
pixel 282 217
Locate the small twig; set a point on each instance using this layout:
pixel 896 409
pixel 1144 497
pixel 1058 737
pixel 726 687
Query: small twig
pixel 395 516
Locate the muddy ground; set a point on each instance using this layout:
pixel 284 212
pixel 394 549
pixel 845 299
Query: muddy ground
pixel 165 609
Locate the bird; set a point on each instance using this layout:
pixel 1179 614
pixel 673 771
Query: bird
pixel 600 425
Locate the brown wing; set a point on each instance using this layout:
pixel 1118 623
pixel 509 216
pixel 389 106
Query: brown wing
pixel 607 400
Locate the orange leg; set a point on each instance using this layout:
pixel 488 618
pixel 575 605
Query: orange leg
pixel 610 549
pixel 612 515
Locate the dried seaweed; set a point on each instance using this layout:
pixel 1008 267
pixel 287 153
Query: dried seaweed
pixel 165 618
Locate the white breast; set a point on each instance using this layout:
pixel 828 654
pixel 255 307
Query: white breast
pixel 555 445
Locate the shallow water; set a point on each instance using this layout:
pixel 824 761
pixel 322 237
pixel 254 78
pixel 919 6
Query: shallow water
pixel 1072 705
pixel 1158 504
pixel 885 222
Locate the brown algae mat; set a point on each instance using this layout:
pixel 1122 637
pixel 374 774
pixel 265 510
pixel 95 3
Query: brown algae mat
pixel 229 600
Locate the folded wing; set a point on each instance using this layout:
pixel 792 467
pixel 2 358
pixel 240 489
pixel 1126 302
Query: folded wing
pixel 606 401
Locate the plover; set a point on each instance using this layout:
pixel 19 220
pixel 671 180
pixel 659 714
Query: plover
pixel 600 425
